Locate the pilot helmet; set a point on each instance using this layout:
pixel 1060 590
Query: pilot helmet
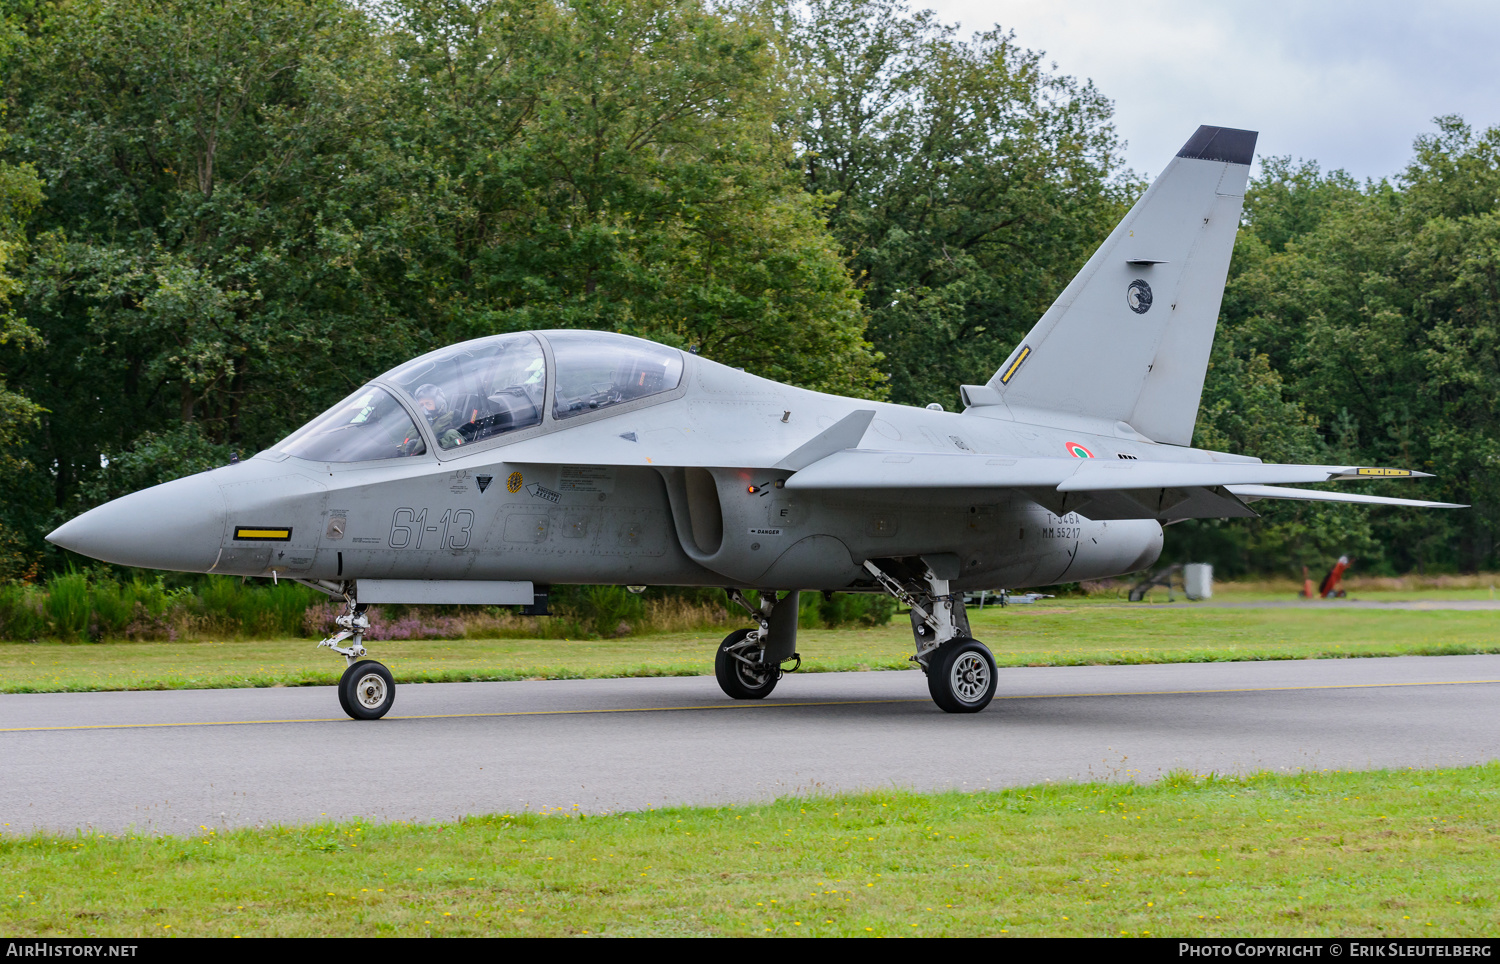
pixel 435 394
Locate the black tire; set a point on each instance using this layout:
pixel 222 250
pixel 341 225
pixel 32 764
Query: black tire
pixel 737 680
pixel 343 690
pixel 961 676
pixel 366 690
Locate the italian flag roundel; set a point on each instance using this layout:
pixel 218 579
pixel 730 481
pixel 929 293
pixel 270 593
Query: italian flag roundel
pixel 1078 451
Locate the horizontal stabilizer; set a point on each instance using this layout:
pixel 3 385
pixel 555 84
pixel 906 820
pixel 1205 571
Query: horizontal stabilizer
pixel 1253 492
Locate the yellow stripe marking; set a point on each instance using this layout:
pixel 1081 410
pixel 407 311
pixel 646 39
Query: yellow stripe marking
pixel 262 533
pixel 736 706
pixel 1005 379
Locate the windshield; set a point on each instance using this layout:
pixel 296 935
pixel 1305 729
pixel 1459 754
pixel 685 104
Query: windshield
pixel 370 424
pixel 479 389
pixel 597 369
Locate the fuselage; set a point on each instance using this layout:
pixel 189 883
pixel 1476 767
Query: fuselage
pixel 678 488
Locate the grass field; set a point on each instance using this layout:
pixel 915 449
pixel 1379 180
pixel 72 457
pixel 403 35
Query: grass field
pixel 1390 854
pixel 1049 633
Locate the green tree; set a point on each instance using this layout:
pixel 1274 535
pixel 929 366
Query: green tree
pixel 1246 409
pixel 967 181
pixel 1376 304
pixel 616 166
pixel 252 207
pixel 200 244
pixel 20 192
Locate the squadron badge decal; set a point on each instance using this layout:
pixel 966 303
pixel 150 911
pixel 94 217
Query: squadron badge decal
pixel 1138 297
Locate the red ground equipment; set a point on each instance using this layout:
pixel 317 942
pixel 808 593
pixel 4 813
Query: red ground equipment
pixel 1330 586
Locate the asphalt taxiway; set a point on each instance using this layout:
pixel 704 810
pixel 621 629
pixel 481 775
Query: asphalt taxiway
pixel 177 761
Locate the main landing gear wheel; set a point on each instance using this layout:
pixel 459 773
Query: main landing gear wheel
pixel 739 679
pixel 961 676
pixel 366 690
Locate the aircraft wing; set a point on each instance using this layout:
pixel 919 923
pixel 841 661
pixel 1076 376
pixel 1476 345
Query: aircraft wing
pixel 864 469
pixel 1098 489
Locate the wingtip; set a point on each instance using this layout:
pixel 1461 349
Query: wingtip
pixel 1364 473
pixel 1221 144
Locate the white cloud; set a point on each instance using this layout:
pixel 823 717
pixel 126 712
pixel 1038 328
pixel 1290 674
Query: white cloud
pixel 1348 84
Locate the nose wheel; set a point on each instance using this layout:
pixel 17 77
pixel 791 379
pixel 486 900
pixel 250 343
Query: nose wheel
pixel 366 690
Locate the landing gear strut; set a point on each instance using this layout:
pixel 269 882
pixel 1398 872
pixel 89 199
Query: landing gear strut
pixel 960 669
pixel 749 661
pixel 366 690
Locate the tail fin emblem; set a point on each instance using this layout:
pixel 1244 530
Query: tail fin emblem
pixel 1138 297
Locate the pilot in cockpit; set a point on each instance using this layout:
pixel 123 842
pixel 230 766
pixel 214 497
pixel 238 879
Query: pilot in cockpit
pixel 444 421
pixel 518 370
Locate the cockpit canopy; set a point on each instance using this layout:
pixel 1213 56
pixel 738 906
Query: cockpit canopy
pixel 599 369
pixel 484 389
pixel 477 390
pixel 370 424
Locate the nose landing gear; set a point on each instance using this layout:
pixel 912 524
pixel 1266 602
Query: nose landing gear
pixel 366 690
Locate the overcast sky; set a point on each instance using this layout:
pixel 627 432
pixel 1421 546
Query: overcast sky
pixel 1349 84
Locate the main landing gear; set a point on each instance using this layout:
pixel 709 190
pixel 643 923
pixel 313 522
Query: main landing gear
pixel 750 661
pixel 366 690
pixel 960 669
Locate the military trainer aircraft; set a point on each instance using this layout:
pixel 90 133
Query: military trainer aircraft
pixel 486 472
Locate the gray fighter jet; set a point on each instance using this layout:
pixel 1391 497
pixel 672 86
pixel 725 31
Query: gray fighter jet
pixel 486 472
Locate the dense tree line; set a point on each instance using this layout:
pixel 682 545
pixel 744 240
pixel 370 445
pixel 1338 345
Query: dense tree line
pixel 967 183
pixel 216 218
pixel 1361 324
pixel 253 206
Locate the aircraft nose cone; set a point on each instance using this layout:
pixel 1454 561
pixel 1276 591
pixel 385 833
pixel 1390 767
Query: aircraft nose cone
pixel 178 525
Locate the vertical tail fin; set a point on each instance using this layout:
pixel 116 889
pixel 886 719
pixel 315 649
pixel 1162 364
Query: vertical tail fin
pixel 1128 340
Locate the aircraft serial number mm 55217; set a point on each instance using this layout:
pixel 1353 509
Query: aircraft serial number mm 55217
pixel 486 472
